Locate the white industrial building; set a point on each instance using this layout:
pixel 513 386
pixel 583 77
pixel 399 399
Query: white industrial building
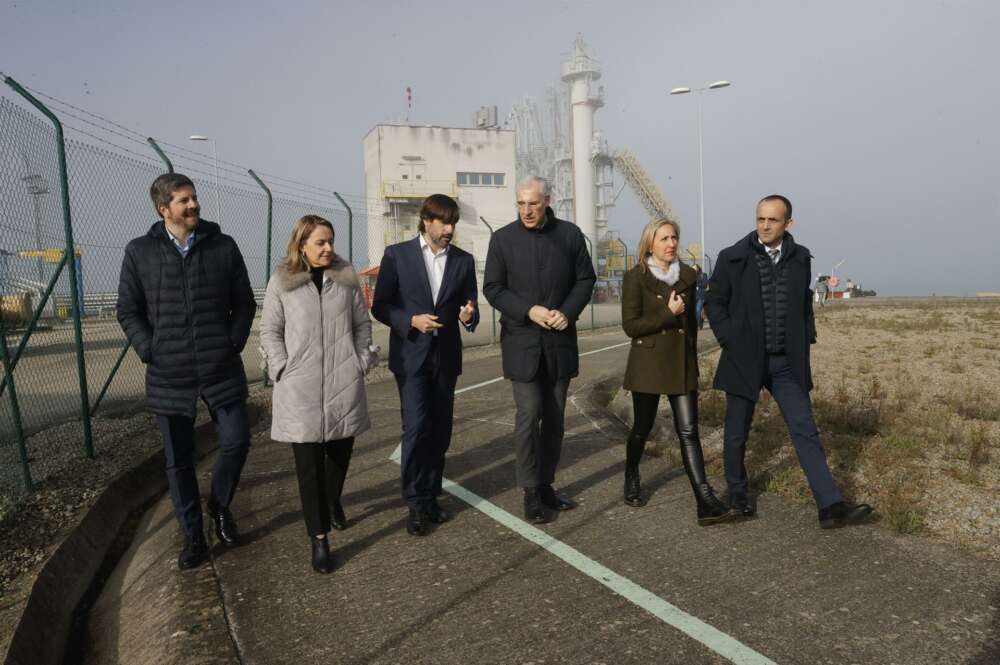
pixel 404 164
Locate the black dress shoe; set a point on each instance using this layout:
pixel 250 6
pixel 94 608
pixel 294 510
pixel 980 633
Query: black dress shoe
pixel 225 525
pixel 322 562
pixel 554 501
pixel 742 507
pixel 843 513
pixel 338 520
pixel 633 489
pixel 418 522
pixel 438 514
pixel 194 552
pixel 534 510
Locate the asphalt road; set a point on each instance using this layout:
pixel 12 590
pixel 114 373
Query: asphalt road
pixel 777 589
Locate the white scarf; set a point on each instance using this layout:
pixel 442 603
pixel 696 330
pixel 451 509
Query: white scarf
pixel 670 275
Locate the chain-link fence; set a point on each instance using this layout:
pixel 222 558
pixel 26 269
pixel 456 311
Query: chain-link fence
pixel 55 379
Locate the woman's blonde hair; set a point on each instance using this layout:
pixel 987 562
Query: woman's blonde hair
pixel 646 239
pixel 294 260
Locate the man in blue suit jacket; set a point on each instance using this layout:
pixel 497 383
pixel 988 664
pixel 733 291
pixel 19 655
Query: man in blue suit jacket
pixel 425 288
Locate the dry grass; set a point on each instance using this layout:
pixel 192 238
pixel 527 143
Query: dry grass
pixel 907 400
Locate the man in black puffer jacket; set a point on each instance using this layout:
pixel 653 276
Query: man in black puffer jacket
pixel 760 308
pixel 186 306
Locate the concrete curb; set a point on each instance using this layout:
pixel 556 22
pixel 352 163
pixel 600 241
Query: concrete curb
pixel 40 635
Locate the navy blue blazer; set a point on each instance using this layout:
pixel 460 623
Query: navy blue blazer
pixel 403 289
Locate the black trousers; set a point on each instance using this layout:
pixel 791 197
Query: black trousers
pixel 321 469
pixel 796 409
pixel 233 429
pixel 539 425
pixel 427 406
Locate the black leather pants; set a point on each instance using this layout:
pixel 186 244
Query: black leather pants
pixel 685 408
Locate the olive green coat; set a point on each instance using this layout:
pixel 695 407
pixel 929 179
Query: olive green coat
pixel 663 358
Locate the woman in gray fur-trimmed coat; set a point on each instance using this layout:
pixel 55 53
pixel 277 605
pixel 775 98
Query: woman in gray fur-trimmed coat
pixel 316 337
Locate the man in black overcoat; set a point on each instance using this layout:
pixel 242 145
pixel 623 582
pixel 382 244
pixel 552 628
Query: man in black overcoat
pixel 759 305
pixel 185 304
pixel 540 276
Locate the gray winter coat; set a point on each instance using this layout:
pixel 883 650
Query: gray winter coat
pixel 317 354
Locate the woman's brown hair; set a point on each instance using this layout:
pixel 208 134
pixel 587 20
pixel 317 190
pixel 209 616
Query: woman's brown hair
pixel 294 261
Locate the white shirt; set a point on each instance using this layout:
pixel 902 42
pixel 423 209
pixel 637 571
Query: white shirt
pixel 435 266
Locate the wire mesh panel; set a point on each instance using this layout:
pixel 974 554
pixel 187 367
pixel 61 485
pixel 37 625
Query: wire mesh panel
pixel 32 249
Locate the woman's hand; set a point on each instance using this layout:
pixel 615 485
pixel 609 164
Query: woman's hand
pixel 675 304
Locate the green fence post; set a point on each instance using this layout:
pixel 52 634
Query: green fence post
pixel 270 210
pixel 267 258
pixel 81 367
pixel 590 245
pixel 492 308
pixel 34 320
pixel 350 228
pixel 107 383
pixel 14 407
pixel 162 155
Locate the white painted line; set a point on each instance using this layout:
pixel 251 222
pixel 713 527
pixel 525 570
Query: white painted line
pixel 695 628
pixel 396 455
pixel 607 348
pixel 713 638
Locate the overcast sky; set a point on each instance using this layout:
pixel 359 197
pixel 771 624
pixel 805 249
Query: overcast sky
pixel 879 119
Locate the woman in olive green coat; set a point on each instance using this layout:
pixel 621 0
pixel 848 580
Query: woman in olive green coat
pixel 658 297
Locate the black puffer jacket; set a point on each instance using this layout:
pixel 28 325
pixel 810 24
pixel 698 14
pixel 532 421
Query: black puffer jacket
pixel 187 318
pixel 774 294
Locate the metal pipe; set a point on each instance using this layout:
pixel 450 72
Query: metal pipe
pixel 34 319
pixel 15 408
pixel 107 384
pixel 162 155
pixel 88 442
pixel 493 309
pixel 591 246
pixel 270 211
pixel 350 228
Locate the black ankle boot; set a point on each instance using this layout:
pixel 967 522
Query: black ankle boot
pixel 633 487
pixel 711 509
pixel 321 560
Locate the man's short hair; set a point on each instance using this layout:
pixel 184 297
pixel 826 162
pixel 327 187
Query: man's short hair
pixel 532 181
pixel 163 188
pixel 779 197
pixel 438 206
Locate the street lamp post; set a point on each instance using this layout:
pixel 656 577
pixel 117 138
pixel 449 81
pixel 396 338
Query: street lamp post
pixel 701 162
pixel 215 157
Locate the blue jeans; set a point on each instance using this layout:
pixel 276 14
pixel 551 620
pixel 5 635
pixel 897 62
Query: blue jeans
pixel 797 412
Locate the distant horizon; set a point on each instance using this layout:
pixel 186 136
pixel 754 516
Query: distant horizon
pixel 888 149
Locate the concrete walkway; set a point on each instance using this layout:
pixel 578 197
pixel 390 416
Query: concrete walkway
pixel 777 589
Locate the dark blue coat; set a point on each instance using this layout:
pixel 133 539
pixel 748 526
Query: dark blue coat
pixel 549 267
pixel 187 318
pixel 403 289
pixel 736 313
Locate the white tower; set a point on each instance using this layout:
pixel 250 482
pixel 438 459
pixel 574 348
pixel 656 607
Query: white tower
pixel 579 71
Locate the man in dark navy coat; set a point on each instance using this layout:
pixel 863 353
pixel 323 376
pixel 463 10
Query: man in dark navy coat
pixel 760 308
pixel 185 304
pixel 540 276
pixel 425 288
